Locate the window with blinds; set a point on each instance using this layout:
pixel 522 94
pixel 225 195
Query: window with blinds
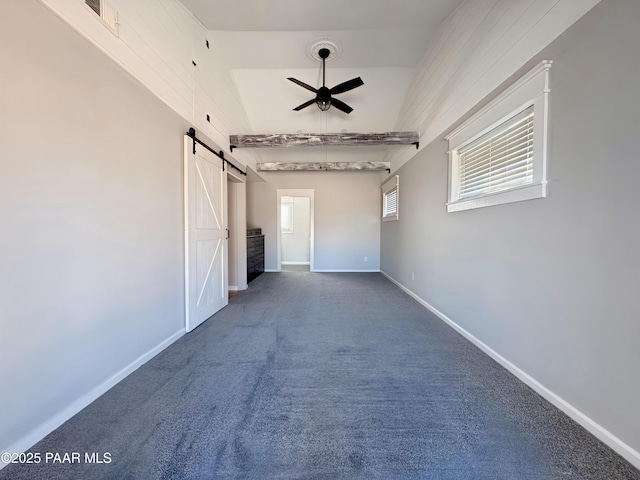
pixel 390 203
pixel 94 5
pixel 499 154
pixel 500 160
pixel 390 199
pixel 106 13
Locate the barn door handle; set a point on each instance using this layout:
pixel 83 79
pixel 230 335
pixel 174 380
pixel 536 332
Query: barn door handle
pixel 227 234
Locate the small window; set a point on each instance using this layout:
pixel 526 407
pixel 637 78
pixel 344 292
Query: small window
pixel 391 203
pixel 286 215
pixel 390 200
pixel 499 155
pixel 94 5
pixel 106 13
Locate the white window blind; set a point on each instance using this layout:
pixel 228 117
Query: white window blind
pixel 390 199
pixel 391 203
pixel 94 5
pixel 500 160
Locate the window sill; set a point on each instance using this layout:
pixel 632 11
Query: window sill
pixel 528 192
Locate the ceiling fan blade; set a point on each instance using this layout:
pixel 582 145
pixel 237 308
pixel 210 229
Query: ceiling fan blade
pixel 302 84
pixel 305 104
pixel 346 86
pixel 341 105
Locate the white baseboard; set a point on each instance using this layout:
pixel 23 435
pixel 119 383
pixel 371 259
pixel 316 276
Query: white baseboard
pixel 331 271
pixel 296 263
pixel 597 430
pixel 50 425
pixel 346 271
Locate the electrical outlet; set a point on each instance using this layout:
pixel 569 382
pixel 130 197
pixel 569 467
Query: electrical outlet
pixel 366 259
pixel 413 276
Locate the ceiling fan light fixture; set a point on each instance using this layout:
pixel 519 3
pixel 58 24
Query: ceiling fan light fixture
pixel 323 105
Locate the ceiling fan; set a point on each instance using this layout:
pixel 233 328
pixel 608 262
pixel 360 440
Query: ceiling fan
pixel 324 98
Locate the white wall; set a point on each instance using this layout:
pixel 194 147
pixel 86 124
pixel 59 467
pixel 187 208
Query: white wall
pixel 346 217
pixel 91 242
pixel 475 50
pixel 549 285
pixel 159 41
pixel 295 244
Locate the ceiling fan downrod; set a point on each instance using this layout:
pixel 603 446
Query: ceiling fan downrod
pixel 323 99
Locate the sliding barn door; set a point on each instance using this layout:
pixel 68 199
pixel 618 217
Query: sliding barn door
pixel 206 280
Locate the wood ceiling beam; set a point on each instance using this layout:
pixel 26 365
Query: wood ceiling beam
pixel 322 166
pixel 320 139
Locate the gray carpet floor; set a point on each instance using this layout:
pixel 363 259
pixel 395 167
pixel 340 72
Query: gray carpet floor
pixel 324 376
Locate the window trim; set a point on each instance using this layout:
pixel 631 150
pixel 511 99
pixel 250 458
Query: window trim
pixel 532 89
pixel 391 185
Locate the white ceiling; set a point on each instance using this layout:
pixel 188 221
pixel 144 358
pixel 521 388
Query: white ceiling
pixel 265 41
pixel 303 15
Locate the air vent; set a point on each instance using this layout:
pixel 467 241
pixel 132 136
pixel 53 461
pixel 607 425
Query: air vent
pixel 106 12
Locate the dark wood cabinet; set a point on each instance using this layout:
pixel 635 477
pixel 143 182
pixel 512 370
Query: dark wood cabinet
pixel 255 253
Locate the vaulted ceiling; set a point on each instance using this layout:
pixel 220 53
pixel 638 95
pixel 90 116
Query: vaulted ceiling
pixel 266 41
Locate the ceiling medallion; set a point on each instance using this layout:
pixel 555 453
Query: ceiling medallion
pixel 334 46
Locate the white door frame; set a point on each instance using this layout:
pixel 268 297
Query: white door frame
pixel 237 219
pixel 295 192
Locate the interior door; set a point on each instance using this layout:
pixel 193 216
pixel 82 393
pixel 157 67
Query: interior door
pixel 206 281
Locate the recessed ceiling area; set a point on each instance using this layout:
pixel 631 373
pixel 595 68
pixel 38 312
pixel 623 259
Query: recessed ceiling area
pixel 274 33
pixel 263 42
pixel 300 15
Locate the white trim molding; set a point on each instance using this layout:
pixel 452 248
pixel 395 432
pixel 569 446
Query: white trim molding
pixel 597 430
pixel 330 270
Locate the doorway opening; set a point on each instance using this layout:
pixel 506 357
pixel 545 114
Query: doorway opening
pixel 295 229
pixel 237 232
